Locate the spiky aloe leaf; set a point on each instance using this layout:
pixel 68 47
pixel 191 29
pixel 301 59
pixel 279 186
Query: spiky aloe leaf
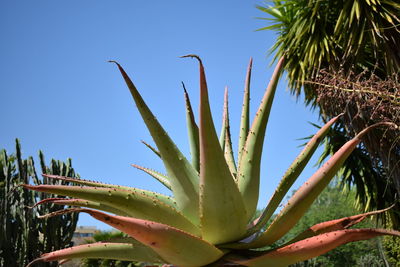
pixel 193 132
pixel 313 247
pixel 154 150
pixel 158 176
pixel 226 134
pixel 222 213
pixel 224 120
pixel 334 225
pixel 81 203
pixel 245 120
pixel 117 251
pixel 230 160
pixel 173 245
pixel 132 203
pixel 163 198
pixel 291 175
pixel 249 165
pixel 299 203
pixel 184 178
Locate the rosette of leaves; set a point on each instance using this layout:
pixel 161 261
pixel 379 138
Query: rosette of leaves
pixel 209 218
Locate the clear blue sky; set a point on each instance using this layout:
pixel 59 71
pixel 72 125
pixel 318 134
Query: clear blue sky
pixel 60 95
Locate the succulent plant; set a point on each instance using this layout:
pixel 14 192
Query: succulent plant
pixel 23 236
pixel 209 219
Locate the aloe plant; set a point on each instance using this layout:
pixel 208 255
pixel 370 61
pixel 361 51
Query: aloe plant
pixel 209 218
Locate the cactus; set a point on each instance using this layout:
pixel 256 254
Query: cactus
pixel 23 235
pixel 209 218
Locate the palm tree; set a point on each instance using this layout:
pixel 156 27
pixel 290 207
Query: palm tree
pixel 344 56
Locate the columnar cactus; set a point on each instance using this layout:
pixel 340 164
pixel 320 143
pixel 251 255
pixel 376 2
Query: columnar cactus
pixel 209 217
pixel 23 236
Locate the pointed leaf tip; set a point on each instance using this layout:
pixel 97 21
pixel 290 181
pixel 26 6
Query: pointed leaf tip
pixel 155 174
pixel 155 151
pixel 363 132
pixel 193 131
pixel 32 263
pixel 184 88
pixel 245 119
pixel 192 56
pixel 114 62
pixel 225 121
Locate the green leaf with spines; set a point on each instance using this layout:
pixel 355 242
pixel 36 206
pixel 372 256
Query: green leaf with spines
pixel 75 202
pixel 153 149
pixel 299 203
pixel 228 151
pixel 223 126
pixel 163 198
pixel 134 203
pixel 193 132
pixel 184 178
pixel 155 174
pixel 249 165
pixel 245 117
pixel 291 176
pixel 222 212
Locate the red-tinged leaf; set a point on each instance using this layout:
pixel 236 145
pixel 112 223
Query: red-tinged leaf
pixel 312 247
pixel 173 245
pixel 116 251
pixel 334 225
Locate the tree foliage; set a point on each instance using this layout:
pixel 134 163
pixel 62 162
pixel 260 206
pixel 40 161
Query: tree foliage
pixel 334 49
pixel 349 35
pixel 392 251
